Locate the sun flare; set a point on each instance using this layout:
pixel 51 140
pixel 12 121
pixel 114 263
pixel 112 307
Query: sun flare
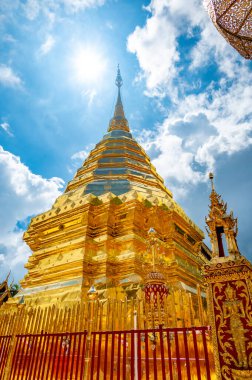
pixel 88 65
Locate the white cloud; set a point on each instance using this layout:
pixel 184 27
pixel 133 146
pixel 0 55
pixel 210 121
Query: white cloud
pixel 9 38
pixel 14 254
pixel 212 47
pixel 22 194
pixel 200 129
pixel 47 46
pixel 79 5
pixel 158 48
pixel 109 25
pixel 156 43
pixel 6 127
pixel 155 47
pixel 32 9
pixel 174 161
pixel 81 155
pixel 78 158
pixel 203 123
pixel 8 77
pixel 90 94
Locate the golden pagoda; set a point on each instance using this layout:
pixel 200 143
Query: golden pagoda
pixel 114 287
pixel 96 233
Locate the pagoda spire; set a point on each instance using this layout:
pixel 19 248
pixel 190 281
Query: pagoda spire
pixel 119 106
pixel 119 121
pixel 221 225
pixel 211 177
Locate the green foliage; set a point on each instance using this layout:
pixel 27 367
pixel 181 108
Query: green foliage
pixel 14 289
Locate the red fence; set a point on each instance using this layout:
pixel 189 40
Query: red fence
pixel 49 356
pixel 158 354
pixel 178 353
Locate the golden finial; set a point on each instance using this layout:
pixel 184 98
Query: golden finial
pixel 118 121
pixel 119 81
pixel 211 177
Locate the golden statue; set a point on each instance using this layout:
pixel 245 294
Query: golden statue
pixel 234 310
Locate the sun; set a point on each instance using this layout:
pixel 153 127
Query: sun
pixel 88 65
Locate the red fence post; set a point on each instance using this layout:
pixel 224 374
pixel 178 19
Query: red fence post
pixel 83 354
pixel 99 357
pixel 169 353
pixel 124 354
pixel 62 356
pixel 132 355
pixel 147 366
pixel 119 357
pixel 207 365
pixel 112 355
pixel 196 353
pixel 32 369
pixel 92 364
pixel 188 372
pixel 162 352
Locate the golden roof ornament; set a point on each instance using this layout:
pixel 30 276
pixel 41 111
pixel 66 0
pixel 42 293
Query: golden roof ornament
pixel 119 120
pixel 221 225
pixel 233 19
pixel 211 177
pixel 5 290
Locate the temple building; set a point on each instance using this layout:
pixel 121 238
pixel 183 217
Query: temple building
pixel 96 233
pixel 120 284
pixel 5 292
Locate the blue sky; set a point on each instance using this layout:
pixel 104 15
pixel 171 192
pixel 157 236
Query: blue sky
pixel 187 95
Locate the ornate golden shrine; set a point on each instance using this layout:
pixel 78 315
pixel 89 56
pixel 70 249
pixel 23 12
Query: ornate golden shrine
pixel 115 253
pixel 5 292
pixel 228 276
pixel 96 234
pixel 233 19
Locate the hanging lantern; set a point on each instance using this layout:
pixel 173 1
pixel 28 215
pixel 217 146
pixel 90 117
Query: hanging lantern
pixel 233 19
pixel 155 288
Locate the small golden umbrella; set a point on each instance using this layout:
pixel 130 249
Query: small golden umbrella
pixel 233 19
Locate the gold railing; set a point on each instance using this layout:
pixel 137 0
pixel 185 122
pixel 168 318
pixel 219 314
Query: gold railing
pixel 108 315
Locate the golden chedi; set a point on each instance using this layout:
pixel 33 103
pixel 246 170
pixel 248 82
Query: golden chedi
pixel 96 233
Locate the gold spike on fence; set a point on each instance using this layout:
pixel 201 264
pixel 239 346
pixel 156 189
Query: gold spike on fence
pixel 112 314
